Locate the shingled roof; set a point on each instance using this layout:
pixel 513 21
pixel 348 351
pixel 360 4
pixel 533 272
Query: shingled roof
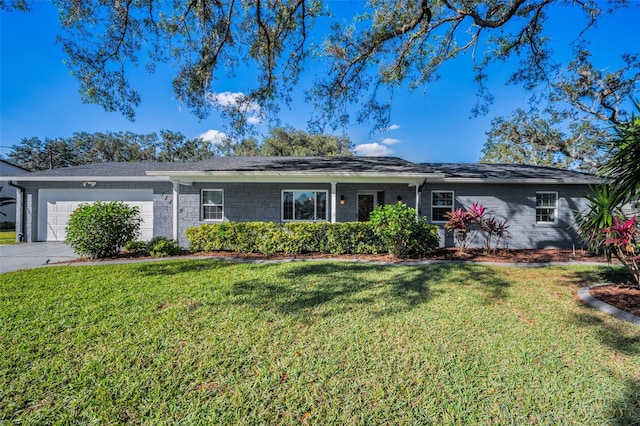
pixel 380 166
pixel 506 172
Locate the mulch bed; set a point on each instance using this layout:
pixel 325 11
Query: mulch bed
pixel 621 296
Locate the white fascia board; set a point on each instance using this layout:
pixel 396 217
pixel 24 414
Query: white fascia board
pixel 27 178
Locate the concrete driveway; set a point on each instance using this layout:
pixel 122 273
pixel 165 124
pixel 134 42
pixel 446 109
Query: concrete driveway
pixel 33 255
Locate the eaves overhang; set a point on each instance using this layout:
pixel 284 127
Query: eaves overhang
pixel 295 176
pixel 27 178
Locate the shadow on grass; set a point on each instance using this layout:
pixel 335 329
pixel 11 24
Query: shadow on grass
pixel 605 274
pixel 614 334
pixel 172 267
pixel 627 409
pixel 337 287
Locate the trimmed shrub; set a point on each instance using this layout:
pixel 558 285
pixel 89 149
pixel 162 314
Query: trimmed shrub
pixel 296 238
pixel 101 229
pixel 403 233
pixel 291 238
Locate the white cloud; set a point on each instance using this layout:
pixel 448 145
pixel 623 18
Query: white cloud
pixel 213 135
pixel 390 141
pixel 237 100
pixel 372 150
pixel 231 99
pixel 253 120
pixel 393 127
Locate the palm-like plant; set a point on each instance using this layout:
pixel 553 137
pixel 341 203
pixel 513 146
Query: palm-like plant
pixel 605 203
pixel 623 167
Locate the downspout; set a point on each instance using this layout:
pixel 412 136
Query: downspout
pixel 23 211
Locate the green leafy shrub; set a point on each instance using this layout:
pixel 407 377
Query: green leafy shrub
pixel 135 246
pixel 7 226
pixel 157 247
pixel 101 229
pixel 291 238
pixel 162 246
pixel 404 234
pixel 353 238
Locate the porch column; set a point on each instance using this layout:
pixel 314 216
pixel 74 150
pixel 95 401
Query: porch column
pixel 417 201
pixel 20 208
pixel 176 195
pixel 334 201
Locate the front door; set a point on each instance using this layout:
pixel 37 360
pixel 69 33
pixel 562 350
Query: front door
pixel 366 204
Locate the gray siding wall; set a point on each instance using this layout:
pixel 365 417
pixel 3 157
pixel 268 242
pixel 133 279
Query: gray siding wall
pixel 516 203
pixel 254 202
pixel 262 202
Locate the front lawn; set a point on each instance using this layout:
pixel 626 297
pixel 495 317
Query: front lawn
pixel 212 342
pixel 7 237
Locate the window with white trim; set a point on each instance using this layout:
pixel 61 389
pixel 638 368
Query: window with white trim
pixel 441 204
pixel 304 205
pixel 212 204
pixel 546 207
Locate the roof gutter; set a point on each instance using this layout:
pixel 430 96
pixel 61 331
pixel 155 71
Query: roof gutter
pixel 518 180
pixel 27 178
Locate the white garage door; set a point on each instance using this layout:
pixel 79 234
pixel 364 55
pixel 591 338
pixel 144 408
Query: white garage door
pixel 55 207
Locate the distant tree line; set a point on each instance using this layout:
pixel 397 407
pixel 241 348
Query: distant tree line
pixel 87 148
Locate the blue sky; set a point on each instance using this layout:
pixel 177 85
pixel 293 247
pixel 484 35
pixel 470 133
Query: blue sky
pixel 39 98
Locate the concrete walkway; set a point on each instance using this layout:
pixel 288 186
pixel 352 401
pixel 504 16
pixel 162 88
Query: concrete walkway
pixel 33 255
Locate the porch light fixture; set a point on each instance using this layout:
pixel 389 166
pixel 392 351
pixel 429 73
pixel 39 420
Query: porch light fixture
pixel 342 200
pixel 399 199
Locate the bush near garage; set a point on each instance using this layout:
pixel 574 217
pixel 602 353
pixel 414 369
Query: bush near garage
pixel 101 229
pixel 157 247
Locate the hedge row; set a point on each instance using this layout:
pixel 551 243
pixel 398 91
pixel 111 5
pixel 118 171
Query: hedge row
pixel 291 238
pixel 296 238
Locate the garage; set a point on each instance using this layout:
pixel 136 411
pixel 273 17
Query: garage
pixel 55 207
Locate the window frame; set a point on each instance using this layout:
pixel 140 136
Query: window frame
pixel 315 205
pixel 451 207
pixel 555 208
pixel 202 204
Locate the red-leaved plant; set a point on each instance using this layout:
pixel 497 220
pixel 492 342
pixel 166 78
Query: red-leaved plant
pixel 466 224
pixel 621 240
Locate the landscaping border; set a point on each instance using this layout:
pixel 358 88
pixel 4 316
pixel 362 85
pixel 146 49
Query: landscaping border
pixel 588 299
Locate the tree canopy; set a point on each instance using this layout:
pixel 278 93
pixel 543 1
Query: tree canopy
pixel 290 142
pixel 87 148
pixel 573 124
pixel 388 45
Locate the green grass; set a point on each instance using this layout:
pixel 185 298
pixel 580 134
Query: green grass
pixel 7 237
pixel 210 342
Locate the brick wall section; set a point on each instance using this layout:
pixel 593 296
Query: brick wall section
pixel 516 203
